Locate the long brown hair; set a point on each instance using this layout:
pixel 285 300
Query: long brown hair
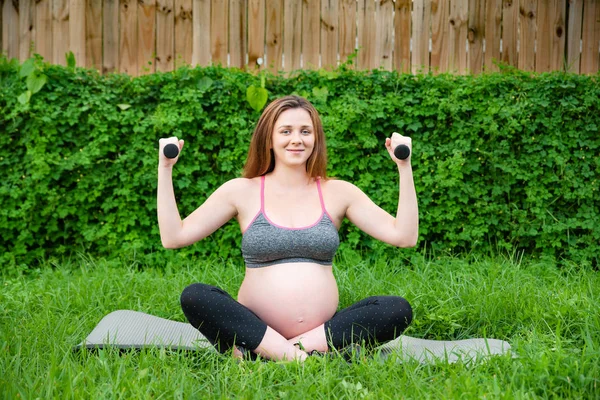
pixel 261 160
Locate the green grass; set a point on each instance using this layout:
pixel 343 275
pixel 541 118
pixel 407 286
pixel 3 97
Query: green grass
pixel 549 315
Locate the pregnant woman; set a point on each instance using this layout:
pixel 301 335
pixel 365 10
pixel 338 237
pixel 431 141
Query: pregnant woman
pixel 289 214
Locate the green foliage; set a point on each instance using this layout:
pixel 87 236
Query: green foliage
pixel 501 161
pixel 31 71
pixel 257 96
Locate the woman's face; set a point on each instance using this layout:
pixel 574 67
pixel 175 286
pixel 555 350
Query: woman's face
pixel 293 137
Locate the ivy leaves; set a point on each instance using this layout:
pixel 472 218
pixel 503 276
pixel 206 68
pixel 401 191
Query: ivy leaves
pixel 257 96
pixel 35 79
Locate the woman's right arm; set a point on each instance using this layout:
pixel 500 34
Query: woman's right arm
pixel 212 214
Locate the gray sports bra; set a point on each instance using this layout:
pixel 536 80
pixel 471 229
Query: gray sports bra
pixel 265 243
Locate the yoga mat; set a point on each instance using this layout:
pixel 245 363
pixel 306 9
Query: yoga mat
pixel 127 329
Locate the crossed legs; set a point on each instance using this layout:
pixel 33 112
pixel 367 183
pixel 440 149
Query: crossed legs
pixel 227 323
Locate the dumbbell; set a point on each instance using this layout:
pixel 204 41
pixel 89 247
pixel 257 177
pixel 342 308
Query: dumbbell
pixel 171 150
pixel 402 152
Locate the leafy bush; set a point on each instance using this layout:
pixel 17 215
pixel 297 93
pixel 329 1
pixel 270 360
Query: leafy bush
pixel 504 160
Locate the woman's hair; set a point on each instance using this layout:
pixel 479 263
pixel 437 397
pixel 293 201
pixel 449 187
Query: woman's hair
pixel 261 159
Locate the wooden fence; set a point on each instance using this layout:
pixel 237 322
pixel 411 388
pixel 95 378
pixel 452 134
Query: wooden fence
pixel 461 36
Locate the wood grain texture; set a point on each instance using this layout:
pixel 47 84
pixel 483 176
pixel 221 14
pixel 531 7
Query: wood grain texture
pixel 510 11
pixel 274 35
pixel 165 35
pixel 201 32
pixel 128 37
pixel 347 29
pixel 493 34
pixel 402 33
pixel 183 32
pixel 384 27
pixel 420 22
pixel 110 36
pixel 93 34
pixel 475 35
pixel 440 35
pixel 575 23
pixel 219 41
pixel 26 28
pixel 256 33
pixel 590 37
pixel 311 43
pixel 329 33
pixel 238 44
pixel 60 31
pixel 292 34
pixel 77 30
pixel 527 36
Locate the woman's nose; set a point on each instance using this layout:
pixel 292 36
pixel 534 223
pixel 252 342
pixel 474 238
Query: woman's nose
pixel 296 137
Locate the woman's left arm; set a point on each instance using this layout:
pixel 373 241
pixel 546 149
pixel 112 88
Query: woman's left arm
pixel 401 231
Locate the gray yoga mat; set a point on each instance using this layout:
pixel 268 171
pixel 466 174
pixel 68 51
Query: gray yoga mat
pixel 126 329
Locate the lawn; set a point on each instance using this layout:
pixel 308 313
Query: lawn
pixel 549 315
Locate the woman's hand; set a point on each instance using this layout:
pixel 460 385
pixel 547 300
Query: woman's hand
pixel 392 142
pixel 164 161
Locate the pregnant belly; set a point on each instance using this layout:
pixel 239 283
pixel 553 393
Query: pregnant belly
pixel 291 298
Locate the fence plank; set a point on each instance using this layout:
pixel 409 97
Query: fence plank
pixel 183 32
pixel 574 35
pixel 493 21
pixel 384 22
pixel 237 33
pixel 77 30
pixel 43 29
pixel 543 48
pixel 147 36
pixel 93 33
pixel 329 33
pixel 26 10
pixel 165 35
pixel 110 33
pixel 527 36
pixel 590 37
pixel 557 35
pixel 311 47
pixel 457 51
pixel 347 29
pixel 128 42
pixel 274 32
pixel 475 35
pixel 421 18
pixel 201 32
pixel 218 29
pixel 510 26
pixel 10 29
pixel 292 34
pixel 366 30
pixel 402 29
pixel 440 34
pixel 60 31
pixel 256 33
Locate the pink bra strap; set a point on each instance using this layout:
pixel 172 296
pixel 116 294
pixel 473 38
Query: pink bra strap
pixel 262 193
pixel 321 195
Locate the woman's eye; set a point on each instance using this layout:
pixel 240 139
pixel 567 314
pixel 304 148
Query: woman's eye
pixel 306 132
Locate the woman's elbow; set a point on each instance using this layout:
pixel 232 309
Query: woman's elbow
pixel 169 243
pixel 407 241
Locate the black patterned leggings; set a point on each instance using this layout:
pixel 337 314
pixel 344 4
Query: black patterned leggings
pixel 226 323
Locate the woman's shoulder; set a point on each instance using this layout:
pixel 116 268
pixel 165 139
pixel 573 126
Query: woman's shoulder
pixel 338 185
pixel 241 185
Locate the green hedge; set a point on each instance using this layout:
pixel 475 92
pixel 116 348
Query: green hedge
pixel 504 161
